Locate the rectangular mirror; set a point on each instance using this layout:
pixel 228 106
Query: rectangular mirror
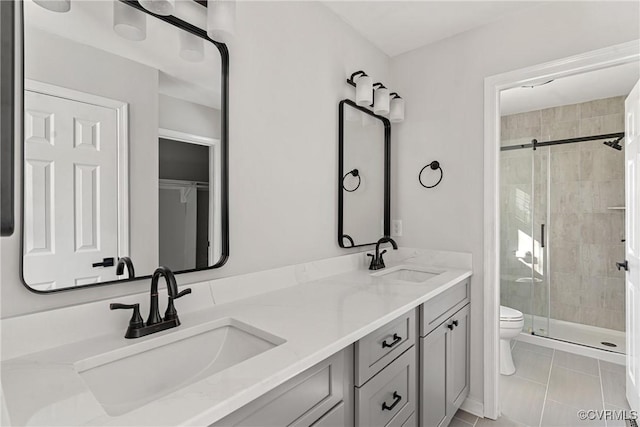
pixel 125 144
pixel 364 176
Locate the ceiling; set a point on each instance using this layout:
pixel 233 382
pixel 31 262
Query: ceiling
pixel 397 27
pixel 600 84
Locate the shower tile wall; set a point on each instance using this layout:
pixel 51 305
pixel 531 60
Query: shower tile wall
pixel 584 234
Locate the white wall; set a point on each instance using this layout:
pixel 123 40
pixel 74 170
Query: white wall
pixel 288 67
pixel 184 116
pixel 443 87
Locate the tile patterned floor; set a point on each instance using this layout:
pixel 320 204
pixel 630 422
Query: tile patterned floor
pixel 550 387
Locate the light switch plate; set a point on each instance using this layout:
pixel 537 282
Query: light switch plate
pixel 396 228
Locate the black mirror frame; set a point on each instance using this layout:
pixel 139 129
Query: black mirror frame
pixel 224 139
pixel 7 117
pixel 341 172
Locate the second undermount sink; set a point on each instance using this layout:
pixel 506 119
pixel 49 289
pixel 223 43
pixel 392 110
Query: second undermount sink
pixel 133 376
pixel 408 273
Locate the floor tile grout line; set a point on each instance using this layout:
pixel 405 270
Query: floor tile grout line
pixel 606 422
pixel 578 372
pixel 546 391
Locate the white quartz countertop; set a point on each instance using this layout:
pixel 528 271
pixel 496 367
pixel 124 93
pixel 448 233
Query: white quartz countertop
pixel 316 320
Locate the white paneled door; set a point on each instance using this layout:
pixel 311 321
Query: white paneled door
pixel 632 238
pixel 70 191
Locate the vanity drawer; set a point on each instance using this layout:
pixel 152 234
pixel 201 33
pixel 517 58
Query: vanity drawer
pixel 380 347
pixel 438 309
pixel 388 399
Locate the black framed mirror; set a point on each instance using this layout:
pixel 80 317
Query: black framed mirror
pixel 7 159
pixel 125 145
pixel 364 181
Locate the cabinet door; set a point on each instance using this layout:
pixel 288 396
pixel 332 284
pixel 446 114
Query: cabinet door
pixel 458 360
pixel 433 378
pixel 304 399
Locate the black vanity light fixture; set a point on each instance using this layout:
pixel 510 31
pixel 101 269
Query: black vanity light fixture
pixel 356 174
pixel 377 96
pixel 435 165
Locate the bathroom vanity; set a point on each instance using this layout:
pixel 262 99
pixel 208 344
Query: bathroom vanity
pixel 357 348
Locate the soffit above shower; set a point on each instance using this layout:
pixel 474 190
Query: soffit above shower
pixel 397 27
pixel 599 84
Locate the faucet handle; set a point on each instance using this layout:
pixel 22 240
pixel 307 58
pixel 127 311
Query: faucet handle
pixel 380 260
pixel 183 293
pixel 136 320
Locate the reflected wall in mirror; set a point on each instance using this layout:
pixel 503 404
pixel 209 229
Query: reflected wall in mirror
pixel 363 180
pixel 124 150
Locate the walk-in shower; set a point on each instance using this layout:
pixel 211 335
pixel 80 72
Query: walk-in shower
pixel 562 221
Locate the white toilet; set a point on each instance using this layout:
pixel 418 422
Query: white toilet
pixel 511 324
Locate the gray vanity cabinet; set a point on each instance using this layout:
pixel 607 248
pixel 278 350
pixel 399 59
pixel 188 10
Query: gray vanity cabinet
pixel 444 356
pixel 321 396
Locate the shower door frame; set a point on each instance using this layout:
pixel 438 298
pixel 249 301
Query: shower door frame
pixel 602 58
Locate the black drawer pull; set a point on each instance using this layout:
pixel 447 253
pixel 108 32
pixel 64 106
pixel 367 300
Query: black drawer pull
pixel 396 340
pixel 455 323
pixel 450 326
pixel 396 399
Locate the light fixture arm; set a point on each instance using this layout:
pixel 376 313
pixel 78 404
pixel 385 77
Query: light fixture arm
pixel 351 80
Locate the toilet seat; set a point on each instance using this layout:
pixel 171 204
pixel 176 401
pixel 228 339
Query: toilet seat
pixel 508 314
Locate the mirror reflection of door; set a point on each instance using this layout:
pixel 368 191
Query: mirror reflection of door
pixel 186 203
pixel 71 141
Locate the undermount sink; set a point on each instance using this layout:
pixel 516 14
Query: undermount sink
pixel 408 273
pixel 133 376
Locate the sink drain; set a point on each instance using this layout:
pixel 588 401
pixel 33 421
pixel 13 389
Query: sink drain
pixel 608 344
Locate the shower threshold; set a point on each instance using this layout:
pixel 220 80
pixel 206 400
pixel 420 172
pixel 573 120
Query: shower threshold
pixel 577 333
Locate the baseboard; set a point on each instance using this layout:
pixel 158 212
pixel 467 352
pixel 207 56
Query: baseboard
pixel 473 407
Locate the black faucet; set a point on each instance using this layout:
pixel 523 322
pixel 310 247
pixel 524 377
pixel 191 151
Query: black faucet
pixel 137 328
pixel 377 262
pixel 122 262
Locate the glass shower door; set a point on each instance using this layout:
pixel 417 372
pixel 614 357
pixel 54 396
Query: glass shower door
pixel 517 248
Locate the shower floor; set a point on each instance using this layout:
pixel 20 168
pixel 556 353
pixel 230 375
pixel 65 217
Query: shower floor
pixel 577 333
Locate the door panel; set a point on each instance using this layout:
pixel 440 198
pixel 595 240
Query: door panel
pixel 632 158
pixel 458 368
pixel 433 378
pixel 71 217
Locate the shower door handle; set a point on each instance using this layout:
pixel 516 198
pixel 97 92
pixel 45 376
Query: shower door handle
pixel 623 265
pixel 542 235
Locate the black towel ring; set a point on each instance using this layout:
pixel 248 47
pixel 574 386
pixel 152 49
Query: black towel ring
pixel 351 242
pixel 356 174
pixel 435 165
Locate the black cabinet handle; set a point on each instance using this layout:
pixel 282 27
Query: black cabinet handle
pixel 396 340
pixel 106 262
pixel 450 326
pixel 396 399
pixel 455 323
